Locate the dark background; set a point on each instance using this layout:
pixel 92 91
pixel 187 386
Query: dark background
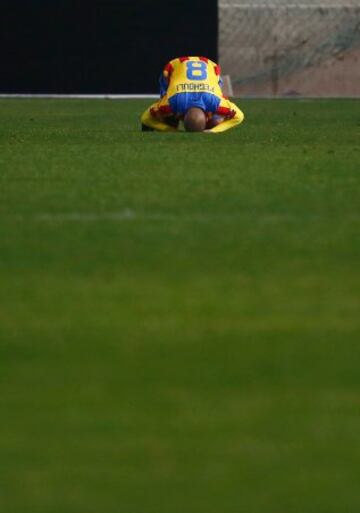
pixel 99 46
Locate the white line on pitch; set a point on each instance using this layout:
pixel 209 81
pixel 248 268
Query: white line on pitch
pixel 130 215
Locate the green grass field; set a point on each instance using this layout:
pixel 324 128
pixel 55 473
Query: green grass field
pixel 179 313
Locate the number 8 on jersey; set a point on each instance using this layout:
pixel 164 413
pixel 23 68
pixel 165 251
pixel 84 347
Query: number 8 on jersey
pixel 196 70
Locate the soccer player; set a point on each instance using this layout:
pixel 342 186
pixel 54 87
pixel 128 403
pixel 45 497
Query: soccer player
pixel 190 91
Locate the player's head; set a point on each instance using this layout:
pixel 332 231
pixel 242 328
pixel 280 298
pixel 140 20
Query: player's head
pixel 195 120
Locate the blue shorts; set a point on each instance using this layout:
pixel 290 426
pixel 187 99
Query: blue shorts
pixel 180 103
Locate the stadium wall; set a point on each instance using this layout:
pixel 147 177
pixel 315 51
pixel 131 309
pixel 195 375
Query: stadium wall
pixel 291 47
pixel 99 46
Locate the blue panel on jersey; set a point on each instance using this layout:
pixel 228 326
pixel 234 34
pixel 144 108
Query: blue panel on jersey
pixel 182 102
pixel 163 85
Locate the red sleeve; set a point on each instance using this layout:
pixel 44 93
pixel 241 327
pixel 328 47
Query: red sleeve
pixel 226 112
pixel 165 110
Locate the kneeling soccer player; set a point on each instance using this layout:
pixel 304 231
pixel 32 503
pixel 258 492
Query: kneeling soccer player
pixel 190 91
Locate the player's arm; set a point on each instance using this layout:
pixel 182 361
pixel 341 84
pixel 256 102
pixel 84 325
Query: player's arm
pixel 234 117
pixel 217 69
pixel 154 119
pixel 164 79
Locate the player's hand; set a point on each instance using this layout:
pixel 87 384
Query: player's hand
pixel 214 121
pixel 172 121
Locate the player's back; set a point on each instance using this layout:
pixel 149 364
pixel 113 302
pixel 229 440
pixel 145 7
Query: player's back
pixel 193 75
